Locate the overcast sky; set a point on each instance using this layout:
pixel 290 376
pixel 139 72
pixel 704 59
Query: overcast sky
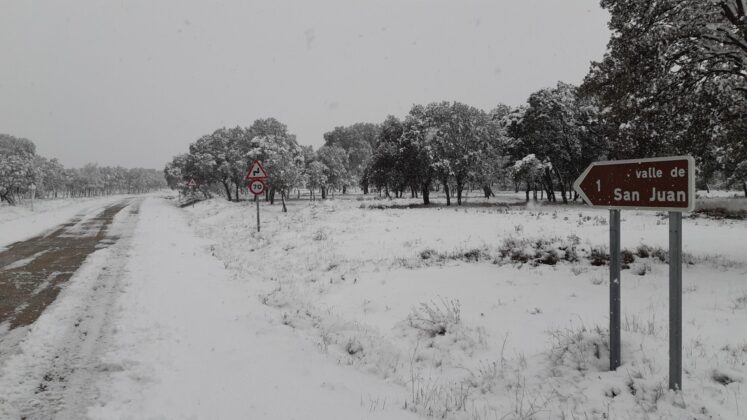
pixel 132 83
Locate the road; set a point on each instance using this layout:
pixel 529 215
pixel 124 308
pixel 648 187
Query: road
pixel 33 271
pixel 32 275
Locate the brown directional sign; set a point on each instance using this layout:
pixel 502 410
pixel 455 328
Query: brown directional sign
pixel 666 184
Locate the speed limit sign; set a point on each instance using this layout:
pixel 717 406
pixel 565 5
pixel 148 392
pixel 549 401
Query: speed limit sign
pixel 257 187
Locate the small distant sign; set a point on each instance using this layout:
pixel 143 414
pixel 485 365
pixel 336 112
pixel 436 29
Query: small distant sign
pixel 257 187
pixel 191 183
pixel 664 184
pixel 256 171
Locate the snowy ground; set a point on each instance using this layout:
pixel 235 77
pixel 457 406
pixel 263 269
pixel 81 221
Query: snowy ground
pixel 341 309
pixel 438 301
pixel 153 327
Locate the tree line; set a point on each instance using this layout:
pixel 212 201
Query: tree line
pixel 21 169
pixel 673 81
pixel 218 162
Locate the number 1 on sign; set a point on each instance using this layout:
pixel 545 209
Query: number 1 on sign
pixel 599 185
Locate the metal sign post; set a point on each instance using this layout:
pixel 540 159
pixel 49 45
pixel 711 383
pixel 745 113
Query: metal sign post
pixel 257 176
pixel 256 200
pixel 614 289
pixel 675 300
pixel 661 184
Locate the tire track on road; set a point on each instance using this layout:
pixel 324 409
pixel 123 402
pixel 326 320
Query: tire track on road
pixel 33 272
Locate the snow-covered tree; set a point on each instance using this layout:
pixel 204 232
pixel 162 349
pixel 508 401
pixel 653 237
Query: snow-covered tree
pixel 561 127
pixel 335 158
pixel 283 158
pixel 17 170
pixel 316 173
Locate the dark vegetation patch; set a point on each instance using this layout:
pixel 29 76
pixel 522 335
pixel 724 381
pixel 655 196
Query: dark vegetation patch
pixel 722 213
pixel 468 255
pixel 551 251
pixel 724 378
pixel 395 206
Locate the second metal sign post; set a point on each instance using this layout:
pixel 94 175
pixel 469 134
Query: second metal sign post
pixel 661 184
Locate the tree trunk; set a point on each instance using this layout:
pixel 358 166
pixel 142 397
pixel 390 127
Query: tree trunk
pixel 446 191
pixel 7 197
pixel 487 191
pixel 237 193
pixel 426 192
pixel 272 196
pixel 365 188
pixel 344 189
pixel 744 187
pixel 282 199
pixel 528 189
pixel 460 188
pixel 228 190
pixel 324 193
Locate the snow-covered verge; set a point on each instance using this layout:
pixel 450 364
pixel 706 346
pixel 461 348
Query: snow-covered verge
pixel 19 222
pixel 502 312
pixel 188 341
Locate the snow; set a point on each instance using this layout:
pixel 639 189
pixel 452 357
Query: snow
pixel 528 339
pixel 339 310
pixel 190 342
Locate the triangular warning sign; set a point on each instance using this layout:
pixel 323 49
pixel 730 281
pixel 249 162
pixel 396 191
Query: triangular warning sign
pixel 256 171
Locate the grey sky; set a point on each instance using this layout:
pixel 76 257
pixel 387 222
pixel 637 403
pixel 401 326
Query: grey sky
pixel 134 82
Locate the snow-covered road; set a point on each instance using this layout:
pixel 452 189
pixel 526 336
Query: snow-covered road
pixel 154 327
pixel 46 363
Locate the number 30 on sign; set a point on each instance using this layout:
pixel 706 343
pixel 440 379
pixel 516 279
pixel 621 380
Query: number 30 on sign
pixel 257 187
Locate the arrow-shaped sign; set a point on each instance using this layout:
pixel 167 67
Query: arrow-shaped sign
pixel 664 184
pixel 257 171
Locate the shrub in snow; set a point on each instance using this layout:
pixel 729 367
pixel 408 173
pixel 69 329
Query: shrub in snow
pixel 627 257
pixel 640 269
pixel 539 251
pixel 725 378
pixel 353 347
pixel 740 302
pixel 428 254
pixel 319 235
pixel 645 251
pixel 599 256
pixel 434 319
pixel 579 349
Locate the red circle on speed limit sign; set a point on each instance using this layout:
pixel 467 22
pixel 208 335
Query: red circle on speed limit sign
pixel 257 187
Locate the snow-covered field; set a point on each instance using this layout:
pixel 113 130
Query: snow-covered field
pixel 460 308
pixel 366 308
